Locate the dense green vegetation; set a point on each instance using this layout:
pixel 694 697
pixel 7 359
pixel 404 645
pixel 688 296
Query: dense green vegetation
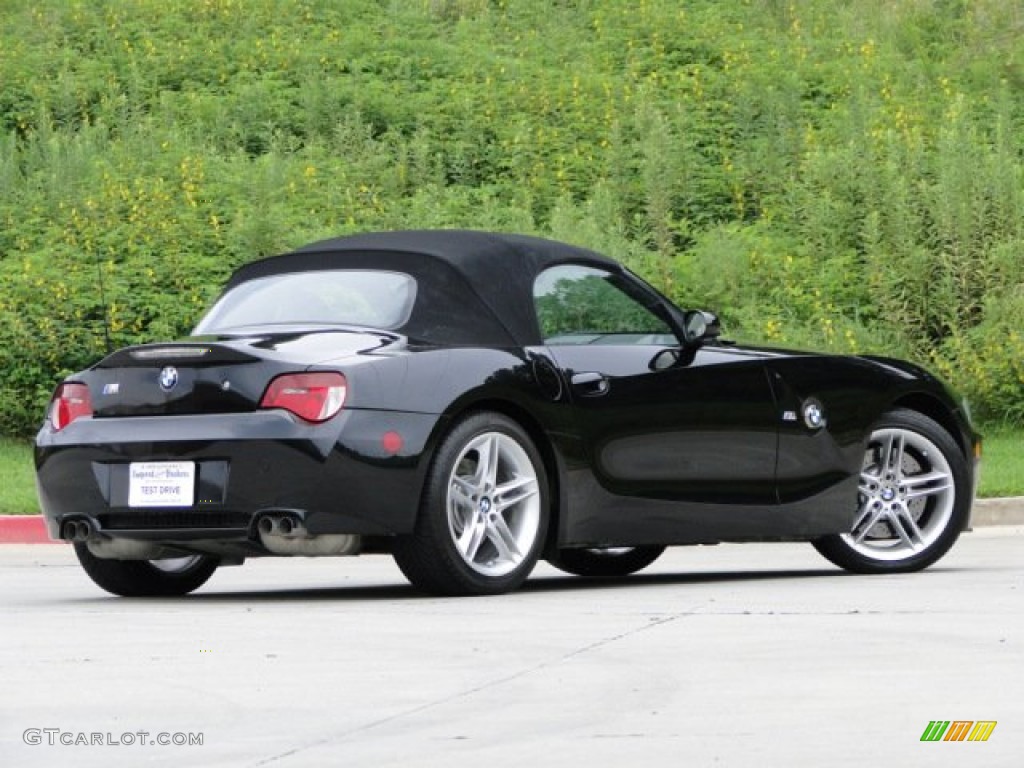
pixel 841 175
pixel 1002 467
pixel 17 479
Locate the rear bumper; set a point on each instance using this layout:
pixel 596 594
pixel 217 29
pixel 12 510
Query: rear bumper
pixel 341 477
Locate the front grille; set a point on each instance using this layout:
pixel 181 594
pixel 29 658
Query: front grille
pixel 159 520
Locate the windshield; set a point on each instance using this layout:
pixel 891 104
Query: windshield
pixel 375 299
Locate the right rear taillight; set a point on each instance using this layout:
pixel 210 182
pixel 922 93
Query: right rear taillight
pixel 313 397
pixel 70 402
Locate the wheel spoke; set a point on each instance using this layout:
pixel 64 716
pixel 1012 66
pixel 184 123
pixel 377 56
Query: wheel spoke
pixel 892 458
pixel 462 516
pixel 873 515
pixel 862 514
pixel 503 540
pixel 926 485
pixel 462 494
pixel 868 480
pixel 514 491
pixel 487 465
pixel 886 456
pixel 906 529
pixel 472 537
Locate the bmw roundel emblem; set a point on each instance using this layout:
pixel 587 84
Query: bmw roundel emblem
pixel 814 414
pixel 168 378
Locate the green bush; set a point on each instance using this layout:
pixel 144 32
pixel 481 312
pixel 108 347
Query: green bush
pixel 842 176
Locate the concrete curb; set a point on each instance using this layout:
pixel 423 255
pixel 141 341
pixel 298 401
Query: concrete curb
pixel 1005 511
pixel 30 529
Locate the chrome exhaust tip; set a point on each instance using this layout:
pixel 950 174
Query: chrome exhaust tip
pixel 76 531
pixel 280 525
pixel 285 533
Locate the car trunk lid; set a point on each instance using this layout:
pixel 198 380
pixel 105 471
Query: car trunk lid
pixel 214 375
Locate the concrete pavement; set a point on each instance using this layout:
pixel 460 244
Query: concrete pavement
pixel 736 655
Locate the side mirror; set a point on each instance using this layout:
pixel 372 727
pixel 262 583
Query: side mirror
pixel 665 359
pixel 700 327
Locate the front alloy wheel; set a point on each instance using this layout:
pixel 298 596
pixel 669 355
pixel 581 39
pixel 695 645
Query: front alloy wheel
pixel 484 513
pixel 913 499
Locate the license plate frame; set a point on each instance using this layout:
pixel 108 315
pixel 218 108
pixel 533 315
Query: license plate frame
pixel 161 484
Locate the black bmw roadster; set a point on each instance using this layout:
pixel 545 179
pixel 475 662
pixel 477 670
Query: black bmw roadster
pixel 471 402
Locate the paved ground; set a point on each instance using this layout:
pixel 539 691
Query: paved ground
pixel 753 655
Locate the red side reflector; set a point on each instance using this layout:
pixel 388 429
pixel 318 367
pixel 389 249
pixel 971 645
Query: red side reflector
pixel 313 397
pixel 392 442
pixel 70 402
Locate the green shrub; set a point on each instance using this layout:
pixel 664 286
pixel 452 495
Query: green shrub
pixel 842 176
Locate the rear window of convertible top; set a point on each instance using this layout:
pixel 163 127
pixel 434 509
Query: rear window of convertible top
pixel 375 299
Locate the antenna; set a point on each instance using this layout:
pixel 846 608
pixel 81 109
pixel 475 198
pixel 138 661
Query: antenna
pixel 103 303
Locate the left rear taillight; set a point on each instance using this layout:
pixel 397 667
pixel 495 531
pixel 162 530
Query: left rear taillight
pixel 313 397
pixel 70 402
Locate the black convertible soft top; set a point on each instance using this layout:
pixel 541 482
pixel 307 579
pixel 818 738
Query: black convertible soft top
pixel 474 288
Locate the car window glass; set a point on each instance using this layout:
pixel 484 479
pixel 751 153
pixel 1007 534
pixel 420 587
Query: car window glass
pixel 583 305
pixel 340 296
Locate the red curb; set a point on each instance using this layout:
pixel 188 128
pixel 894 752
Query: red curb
pixel 24 529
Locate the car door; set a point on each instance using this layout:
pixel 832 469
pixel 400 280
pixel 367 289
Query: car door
pixel 659 422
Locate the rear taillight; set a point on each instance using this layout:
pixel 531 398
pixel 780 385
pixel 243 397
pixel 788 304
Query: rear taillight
pixel 70 402
pixel 313 397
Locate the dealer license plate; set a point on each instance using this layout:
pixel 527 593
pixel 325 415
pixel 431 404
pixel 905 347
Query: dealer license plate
pixel 161 483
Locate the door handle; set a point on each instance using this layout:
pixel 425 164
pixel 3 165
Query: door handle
pixel 591 383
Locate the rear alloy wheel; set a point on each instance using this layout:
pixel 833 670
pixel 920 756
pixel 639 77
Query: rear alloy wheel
pixel 913 499
pixel 484 514
pixel 172 577
pixel 607 562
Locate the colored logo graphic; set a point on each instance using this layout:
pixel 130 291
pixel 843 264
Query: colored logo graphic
pixel 958 730
pixel 168 378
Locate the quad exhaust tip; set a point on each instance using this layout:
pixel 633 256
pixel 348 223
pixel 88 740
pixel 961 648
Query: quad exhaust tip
pixel 281 525
pixel 77 531
pixel 285 533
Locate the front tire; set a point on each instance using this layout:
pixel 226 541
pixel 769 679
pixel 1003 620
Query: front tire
pixel 147 578
pixel 914 498
pixel 484 513
pixel 610 562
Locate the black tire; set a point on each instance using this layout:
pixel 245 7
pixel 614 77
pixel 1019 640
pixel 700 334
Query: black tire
pixel 605 563
pixel 468 512
pixel 899 531
pixel 140 578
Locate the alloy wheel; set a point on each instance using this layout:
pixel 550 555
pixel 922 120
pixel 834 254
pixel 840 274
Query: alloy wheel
pixel 493 504
pixel 906 496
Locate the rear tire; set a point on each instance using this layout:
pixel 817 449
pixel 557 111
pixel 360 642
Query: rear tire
pixel 610 562
pixel 484 513
pixel 914 499
pixel 147 578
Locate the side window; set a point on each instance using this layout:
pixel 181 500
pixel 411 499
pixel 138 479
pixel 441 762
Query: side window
pixel 583 305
